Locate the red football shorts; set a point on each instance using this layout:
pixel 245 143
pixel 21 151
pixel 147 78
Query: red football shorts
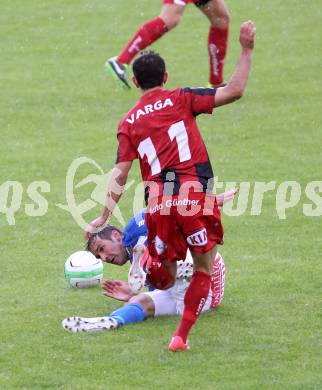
pixel 176 223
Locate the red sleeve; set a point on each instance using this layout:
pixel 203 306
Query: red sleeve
pixel 202 100
pixel 125 150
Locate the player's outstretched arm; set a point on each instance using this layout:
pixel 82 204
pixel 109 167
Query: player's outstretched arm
pixel 226 196
pixel 236 86
pixel 115 187
pixel 117 289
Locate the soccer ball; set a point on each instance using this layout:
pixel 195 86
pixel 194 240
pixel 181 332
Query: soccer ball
pixel 83 269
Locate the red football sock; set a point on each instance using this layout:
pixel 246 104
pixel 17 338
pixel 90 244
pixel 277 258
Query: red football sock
pixel 146 34
pixel 159 276
pixel 217 48
pixel 194 300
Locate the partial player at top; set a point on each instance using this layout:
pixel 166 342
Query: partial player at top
pixel 170 16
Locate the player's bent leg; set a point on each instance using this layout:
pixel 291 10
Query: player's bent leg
pixel 146 302
pixel 218 15
pixel 164 302
pixel 148 33
pixel 171 14
pixel 217 287
pixel 217 12
pixel 162 275
pixel 218 274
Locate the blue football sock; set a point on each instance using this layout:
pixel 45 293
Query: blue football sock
pixel 129 314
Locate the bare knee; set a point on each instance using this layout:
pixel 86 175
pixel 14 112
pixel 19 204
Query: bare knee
pixel 221 21
pixel 171 15
pixel 203 262
pixel 223 15
pixel 146 302
pixel 217 13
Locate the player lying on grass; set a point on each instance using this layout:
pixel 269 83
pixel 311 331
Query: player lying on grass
pixel 162 132
pixel 151 303
pixel 171 13
pixel 115 247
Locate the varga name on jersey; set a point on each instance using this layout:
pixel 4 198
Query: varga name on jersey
pixel 148 109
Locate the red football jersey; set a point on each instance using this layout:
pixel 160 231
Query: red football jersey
pixel 161 131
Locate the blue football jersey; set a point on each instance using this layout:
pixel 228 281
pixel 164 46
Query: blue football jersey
pixel 135 232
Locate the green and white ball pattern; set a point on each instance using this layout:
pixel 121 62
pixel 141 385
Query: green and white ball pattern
pixel 83 269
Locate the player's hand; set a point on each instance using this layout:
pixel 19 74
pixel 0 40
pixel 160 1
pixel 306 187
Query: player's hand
pixel 226 196
pixel 247 35
pixel 96 223
pixel 117 289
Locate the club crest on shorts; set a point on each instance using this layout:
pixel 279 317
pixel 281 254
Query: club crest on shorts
pixel 199 238
pixel 159 245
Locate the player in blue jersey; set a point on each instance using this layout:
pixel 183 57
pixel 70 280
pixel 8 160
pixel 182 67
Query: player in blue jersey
pixel 119 248
pixel 151 303
pixel 115 247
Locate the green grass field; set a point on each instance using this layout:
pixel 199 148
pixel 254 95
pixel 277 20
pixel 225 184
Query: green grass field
pixel 57 105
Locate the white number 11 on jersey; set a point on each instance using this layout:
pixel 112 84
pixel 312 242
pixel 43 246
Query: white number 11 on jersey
pixel 176 131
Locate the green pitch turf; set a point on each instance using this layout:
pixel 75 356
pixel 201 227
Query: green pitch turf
pixel 57 105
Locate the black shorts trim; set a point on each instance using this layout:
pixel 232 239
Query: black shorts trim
pixel 201 91
pixel 199 3
pixel 205 175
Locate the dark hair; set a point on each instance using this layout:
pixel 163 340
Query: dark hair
pixel 149 70
pixel 105 234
